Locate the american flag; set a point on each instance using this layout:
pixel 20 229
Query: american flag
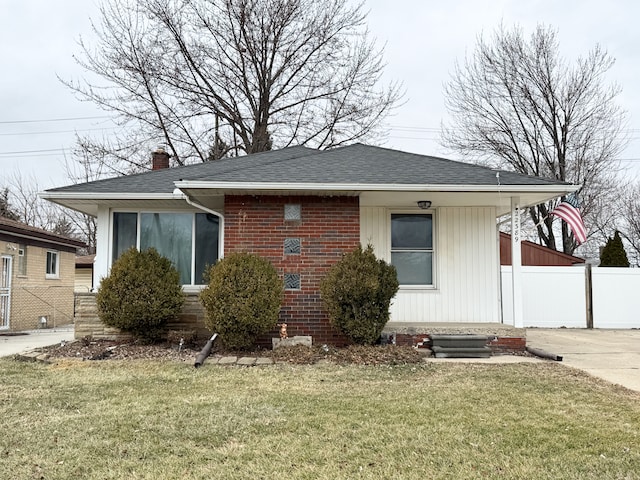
pixel 568 211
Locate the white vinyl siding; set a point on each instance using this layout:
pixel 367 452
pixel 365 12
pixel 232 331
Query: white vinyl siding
pixel 465 266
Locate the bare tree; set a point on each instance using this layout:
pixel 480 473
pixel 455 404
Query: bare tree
pixel 27 207
pixel 82 169
pixel 6 209
pixel 212 78
pixel 519 105
pixel 629 224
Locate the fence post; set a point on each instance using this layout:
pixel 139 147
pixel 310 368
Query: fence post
pixel 588 294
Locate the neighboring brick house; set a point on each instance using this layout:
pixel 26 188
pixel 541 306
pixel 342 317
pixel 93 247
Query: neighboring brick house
pixel 36 277
pixel 433 218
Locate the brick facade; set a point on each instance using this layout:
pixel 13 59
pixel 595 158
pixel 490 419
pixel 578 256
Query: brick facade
pixel 328 228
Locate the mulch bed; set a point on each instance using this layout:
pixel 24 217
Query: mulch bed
pixel 89 349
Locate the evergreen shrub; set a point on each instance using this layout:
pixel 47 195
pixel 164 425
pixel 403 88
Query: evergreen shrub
pixel 242 299
pixel 357 292
pixel 141 293
pixel 614 254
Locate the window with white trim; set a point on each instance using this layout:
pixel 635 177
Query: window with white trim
pixel 22 260
pixel 53 264
pixel 189 240
pixel 412 248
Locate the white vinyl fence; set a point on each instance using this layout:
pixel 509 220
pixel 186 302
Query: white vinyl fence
pixel 557 297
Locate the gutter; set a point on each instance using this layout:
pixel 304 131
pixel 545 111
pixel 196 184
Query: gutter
pixel 199 206
pixel 373 187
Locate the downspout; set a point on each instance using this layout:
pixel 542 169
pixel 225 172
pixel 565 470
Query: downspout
pixel 199 206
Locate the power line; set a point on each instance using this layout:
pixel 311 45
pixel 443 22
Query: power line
pixel 69 119
pixel 21 152
pixel 56 131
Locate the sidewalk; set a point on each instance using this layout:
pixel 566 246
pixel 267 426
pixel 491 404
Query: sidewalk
pixel 12 343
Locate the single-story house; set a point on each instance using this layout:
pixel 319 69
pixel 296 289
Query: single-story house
pixel 433 218
pixel 36 277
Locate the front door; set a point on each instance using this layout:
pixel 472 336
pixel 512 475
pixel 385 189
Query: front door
pixel 5 291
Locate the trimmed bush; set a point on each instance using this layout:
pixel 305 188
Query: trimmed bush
pixel 357 293
pixel 141 293
pixel 242 300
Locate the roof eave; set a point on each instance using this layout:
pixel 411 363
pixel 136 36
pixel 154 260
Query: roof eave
pixel 54 196
pixel 370 187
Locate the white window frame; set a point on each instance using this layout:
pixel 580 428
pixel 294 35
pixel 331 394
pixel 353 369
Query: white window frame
pixel 22 260
pixel 56 273
pixel 139 212
pixel 433 250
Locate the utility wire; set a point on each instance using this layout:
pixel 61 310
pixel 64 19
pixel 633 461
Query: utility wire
pixel 69 119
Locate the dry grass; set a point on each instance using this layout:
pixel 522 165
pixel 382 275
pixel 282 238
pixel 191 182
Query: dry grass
pixel 164 419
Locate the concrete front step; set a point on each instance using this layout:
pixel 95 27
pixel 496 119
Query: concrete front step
pixel 452 352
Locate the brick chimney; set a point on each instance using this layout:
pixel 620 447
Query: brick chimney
pixel 159 159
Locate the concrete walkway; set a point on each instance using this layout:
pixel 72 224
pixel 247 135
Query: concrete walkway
pixel 613 355
pixel 20 342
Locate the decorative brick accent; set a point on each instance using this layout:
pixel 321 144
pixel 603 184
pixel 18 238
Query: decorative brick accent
pixel 329 227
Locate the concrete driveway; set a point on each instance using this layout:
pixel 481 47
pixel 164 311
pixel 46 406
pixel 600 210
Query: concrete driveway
pixel 613 355
pixel 10 344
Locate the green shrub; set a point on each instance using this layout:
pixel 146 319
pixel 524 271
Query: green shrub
pixel 242 299
pixel 614 254
pixel 357 293
pixel 141 293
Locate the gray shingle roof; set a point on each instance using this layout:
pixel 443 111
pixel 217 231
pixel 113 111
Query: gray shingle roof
pixel 353 164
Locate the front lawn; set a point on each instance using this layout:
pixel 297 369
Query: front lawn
pixel 160 419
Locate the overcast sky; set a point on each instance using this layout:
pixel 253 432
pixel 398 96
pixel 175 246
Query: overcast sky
pixel 423 39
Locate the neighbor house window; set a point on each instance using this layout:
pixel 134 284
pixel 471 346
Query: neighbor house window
pixel 22 260
pixel 189 240
pixel 412 248
pixel 52 264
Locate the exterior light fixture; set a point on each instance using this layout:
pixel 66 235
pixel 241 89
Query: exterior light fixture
pixel 424 204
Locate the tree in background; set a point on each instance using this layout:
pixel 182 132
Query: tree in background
pixel 517 104
pixel 20 196
pixel 212 78
pixel 6 210
pixel 628 220
pixel 614 254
